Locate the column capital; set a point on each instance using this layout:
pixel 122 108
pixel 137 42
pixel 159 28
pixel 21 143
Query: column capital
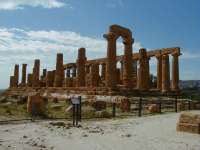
pixel 158 56
pixel 175 54
pixel 128 41
pixel 110 36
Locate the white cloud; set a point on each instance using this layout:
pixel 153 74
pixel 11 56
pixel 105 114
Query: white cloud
pixel 25 45
pixel 20 4
pixel 188 55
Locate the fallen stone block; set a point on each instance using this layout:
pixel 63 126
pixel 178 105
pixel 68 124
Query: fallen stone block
pixel 125 105
pixel 36 105
pixel 189 118
pixel 153 108
pixel 187 127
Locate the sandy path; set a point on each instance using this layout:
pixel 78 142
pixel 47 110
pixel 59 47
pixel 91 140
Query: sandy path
pixel 146 133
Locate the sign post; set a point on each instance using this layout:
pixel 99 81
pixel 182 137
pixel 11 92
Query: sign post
pixel 76 102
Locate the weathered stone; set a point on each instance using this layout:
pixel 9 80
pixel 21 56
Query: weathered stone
pixel 175 72
pixel 50 79
pixel 187 127
pixel 81 67
pixel 69 82
pixel 16 76
pixel 36 105
pixel 189 122
pixel 59 74
pixel 125 105
pixel 36 74
pixel 134 74
pixel 143 72
pixel 153 108
pixel 181 106
pixel 114 32
pixel 103 71
pixel 92 79
pixel 23 81
pixel 165 74
pixel 159 72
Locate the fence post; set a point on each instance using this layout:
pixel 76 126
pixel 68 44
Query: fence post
pixel 189 105
pixel 113 109
pixel 160 106
pixel 176 110
pixel 80 108
pixel 140 107
pixel 73 114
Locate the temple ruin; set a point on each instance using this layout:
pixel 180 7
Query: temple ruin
pixel 103 76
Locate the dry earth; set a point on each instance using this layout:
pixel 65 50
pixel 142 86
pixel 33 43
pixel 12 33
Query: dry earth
pixel 146 133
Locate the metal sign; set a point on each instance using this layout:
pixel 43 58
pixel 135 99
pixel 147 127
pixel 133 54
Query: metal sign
pixel 75 100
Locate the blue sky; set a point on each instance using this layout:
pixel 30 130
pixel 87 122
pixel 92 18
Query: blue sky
pixel 32 29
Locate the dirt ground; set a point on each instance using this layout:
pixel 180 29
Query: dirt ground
pixel 146 133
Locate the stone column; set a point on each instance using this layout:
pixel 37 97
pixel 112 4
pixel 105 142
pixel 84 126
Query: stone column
pixel 143 71
pixel 87 69
pixel 59 74
pixel 16 76
pixel 94 75
pixel 128 70
pixel 36 73
pixel 165 73
pixel 29 80
pixel 103 71
pixel 175 72
pixel 159 72
pixel 111 79
pixel 134 74
pixel 49 79
pixel 121 70
pixel 80 63
pixel 23 82
pixel 118 76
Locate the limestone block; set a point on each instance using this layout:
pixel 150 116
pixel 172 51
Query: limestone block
pixel 125 105
pixel 181 106
pixel 153 108
pixel 189 118
pixel 36 105
pixel 186 127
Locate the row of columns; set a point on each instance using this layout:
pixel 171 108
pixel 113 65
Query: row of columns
pixel 56 78
pixel 163 72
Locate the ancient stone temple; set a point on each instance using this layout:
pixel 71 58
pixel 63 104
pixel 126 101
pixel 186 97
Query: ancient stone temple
pixel 112 75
